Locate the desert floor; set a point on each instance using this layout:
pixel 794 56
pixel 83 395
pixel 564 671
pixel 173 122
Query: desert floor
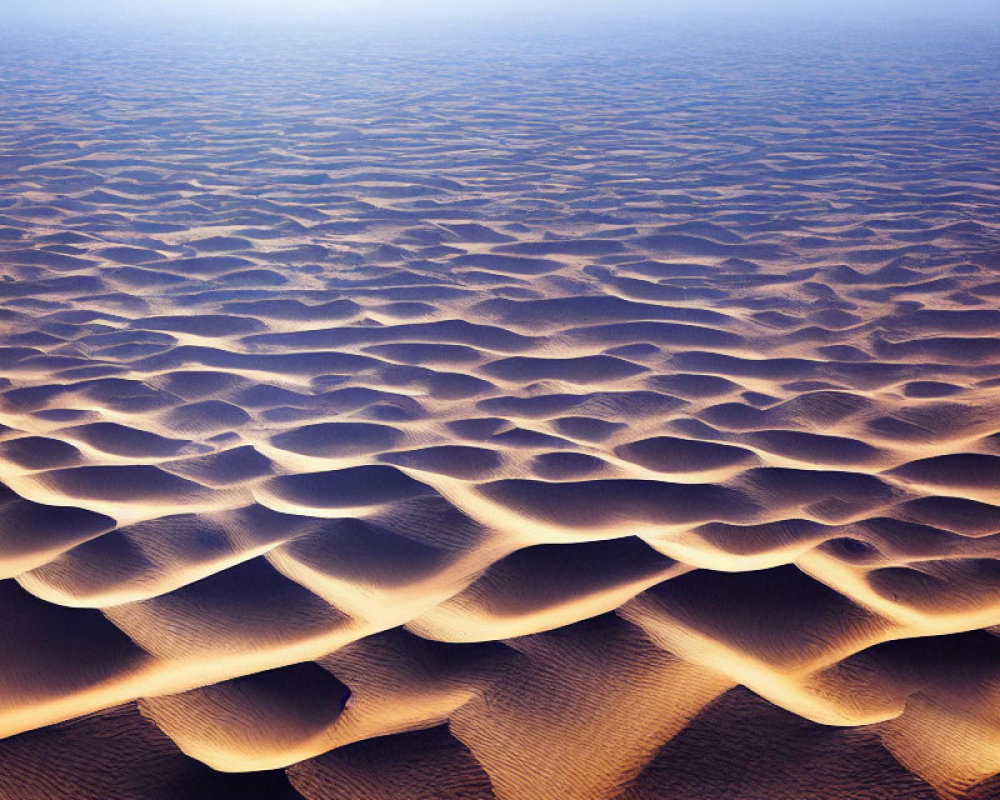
pixel 539 418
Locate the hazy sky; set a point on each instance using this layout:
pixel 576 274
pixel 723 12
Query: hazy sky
pixel 508 10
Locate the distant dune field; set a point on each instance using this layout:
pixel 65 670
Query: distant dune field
pixel 557 419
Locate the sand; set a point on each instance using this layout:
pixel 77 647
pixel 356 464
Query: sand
pixel 388 424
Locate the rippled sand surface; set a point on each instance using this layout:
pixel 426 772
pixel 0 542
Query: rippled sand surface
pixel 541 419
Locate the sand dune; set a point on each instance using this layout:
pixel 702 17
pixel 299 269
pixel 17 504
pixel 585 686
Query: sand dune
pixel 394 426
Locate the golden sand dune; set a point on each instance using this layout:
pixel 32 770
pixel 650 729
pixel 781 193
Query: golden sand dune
pixel 385 426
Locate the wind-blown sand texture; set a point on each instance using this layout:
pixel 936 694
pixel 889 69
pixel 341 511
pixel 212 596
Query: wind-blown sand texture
pixel 558 420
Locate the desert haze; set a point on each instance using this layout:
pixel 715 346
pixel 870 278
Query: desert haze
pixel 550 414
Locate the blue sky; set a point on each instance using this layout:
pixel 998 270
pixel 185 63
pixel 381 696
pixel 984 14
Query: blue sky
pixel 511 9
